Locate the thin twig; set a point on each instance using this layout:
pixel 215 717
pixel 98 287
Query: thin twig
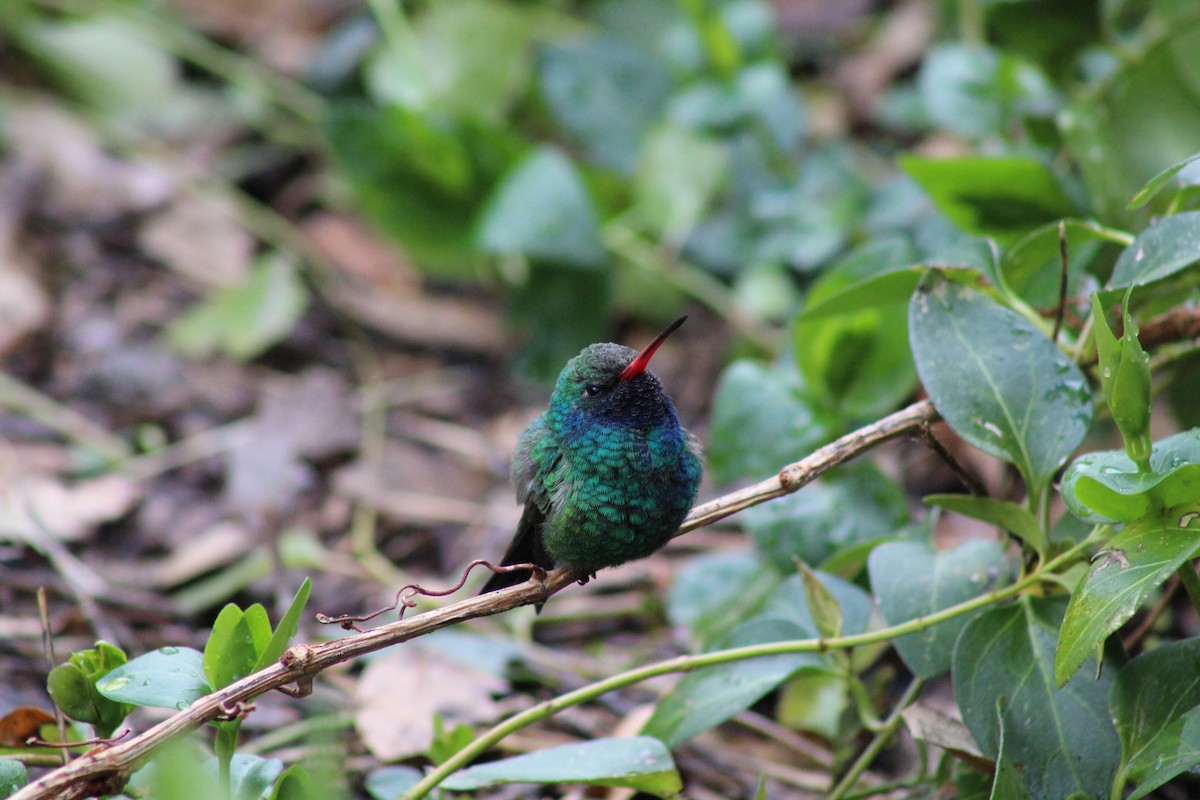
pixel 1063 277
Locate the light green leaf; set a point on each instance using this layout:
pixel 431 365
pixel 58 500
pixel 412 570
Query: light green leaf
pixel 170 677
pixel 390 783
pixel 1134 563
pixel 230 653
pixel 822 605
pixel 997 380
pixel 542 210
pixel 1163 249
pixel 1155 184
pixel 12 776
pixel 286 629
pixel 1063 738
pixel 1107 486
pixel 1125 378
pixel 639 762
pixel 1155 702
pixel 911 580
pixel 678 174
pixel 1009 516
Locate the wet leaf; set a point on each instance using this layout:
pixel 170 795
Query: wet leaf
pixel 170 677
pixel 1170 245
pixel 1107 486
pixel 1125 378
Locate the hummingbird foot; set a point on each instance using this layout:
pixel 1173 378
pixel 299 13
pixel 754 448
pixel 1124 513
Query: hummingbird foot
pixel 584 580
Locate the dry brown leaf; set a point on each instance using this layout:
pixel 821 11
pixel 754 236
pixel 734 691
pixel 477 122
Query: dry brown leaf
pixel 22 723
pixel 31 504
pixel 199 238
pixel 399 693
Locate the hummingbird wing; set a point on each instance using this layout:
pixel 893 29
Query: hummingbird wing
pixel 535 458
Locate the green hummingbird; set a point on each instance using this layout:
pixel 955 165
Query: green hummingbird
pixel 606 473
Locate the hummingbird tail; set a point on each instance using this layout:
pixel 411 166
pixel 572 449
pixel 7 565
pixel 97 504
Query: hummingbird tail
pixel 526 548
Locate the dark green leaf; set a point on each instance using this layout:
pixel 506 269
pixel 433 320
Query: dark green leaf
pixel 1063 738
pixel 1107 486
pixel 1033 268
pixel 1007 785
pixel 1155 701
pixel 1155 184
pixel 711 695
pixel 1002 197
pixel 286 628
pixel 170 677
pixel 639 762
pixel 846 507
pixel 1009 516
pixel 542 210
pixel 911 580
pixel 761 420
pixel 1159 251
pixel 998 381
pixel 562 309
pixel 604 93
pixel 1134 563
pixel 12 776
pixel 716 591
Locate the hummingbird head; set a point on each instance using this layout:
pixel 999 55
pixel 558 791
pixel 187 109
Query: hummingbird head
pixel 611 381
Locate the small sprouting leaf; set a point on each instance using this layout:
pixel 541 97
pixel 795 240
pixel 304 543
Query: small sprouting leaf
pixel 170 677
pixel 997 380
pixel 286 628
pixel 230 653
pixel 1154 702
pixel 541 210
pixel 1001 513
pixel 822 605
pixel 641 762
pixel 1062 737
pixel 1125 378
pixel 1133 564
pixel 72 686
pixel 1107 486
pixel 911 581
pixel 1160 251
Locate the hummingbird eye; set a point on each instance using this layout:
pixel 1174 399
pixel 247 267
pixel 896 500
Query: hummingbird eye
pixel 592 390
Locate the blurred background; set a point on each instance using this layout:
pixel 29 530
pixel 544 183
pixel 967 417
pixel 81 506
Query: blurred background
pixel 280 282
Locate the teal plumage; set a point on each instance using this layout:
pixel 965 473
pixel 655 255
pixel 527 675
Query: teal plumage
pixel 606 473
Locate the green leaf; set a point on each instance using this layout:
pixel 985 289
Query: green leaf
pixel 1009 516
pixel 716 591
pixel 170 677
pixel 1007 784
pixel 822 605
pixel 709 696
pixel 999 382
pixel 1155 184
pixel 762 418
pixel 12 776
pixel 1063 738
pixel 1155 702
pixel 911 580
pixel 1000 197
pixel 858 362
pixel 542 210
pixel 604 93
pixel 296 784
pixel 1133 564
pixel 638 762
pixel 1160 251
pixel 1125 378
pixel 1107 486
pixel 1033 268
pixel 561 310
pixel 844 508
pixel 230 653
pixel 390 783
pixel 679 172
pixel 244 320
pixel 286 628
pixel 72 686
pixel 250 776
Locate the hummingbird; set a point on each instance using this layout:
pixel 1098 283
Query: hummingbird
pixel 606 474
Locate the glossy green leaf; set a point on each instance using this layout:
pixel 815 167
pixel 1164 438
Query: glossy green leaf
pixel 638 762
pixel 858 362
pixel 170 677
pixel 251 776
pixel 1155 184
pixel 716 591
pixel 1107 486
pixel 910 580
pixel 762 419
pixel 12 776
pixel 1062 737
pixel 1125 378
pixel 1133 564
pixel 604 93
pixel 1001 197
pixel 1001 513
pixel 679 172
pixel 390 783
pixel 244 320
pixel 286 629
pixel 72 686
pixel 542 210
pixel 842 509
pixel 231 653
pixel 997 380
pixel 711 695
pixel 1163 249
pixel 1155 702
